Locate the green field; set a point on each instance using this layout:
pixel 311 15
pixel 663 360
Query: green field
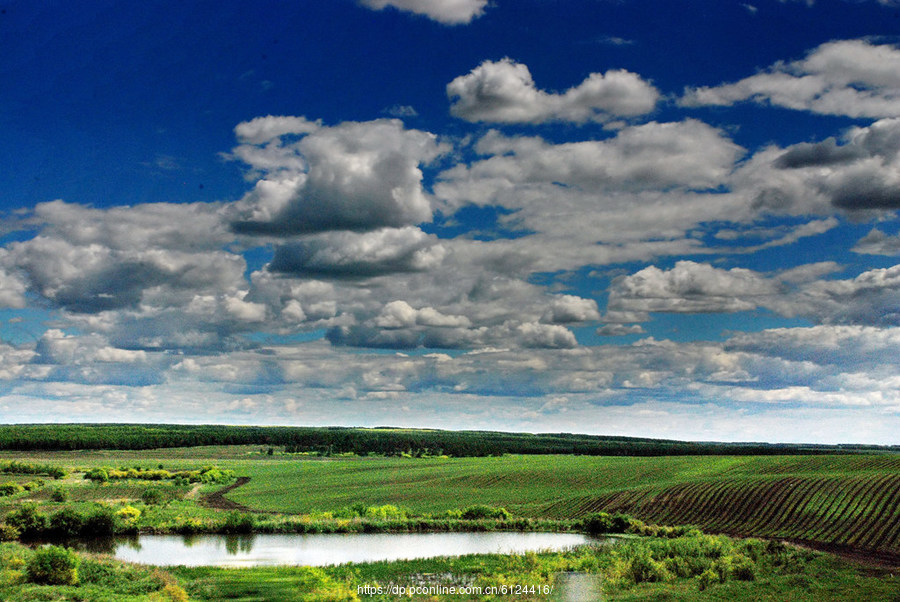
pixel 850 502
pixel 844 500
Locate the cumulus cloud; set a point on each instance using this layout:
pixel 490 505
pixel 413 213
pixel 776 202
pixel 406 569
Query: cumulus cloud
pixel 352 176
pixel 348 254
pixel 617 330
pixel 855 78
pixel 690 287
pixel 628 197
pixel 860 172
pixel 504 92
pixel 871 298
pixel 877 242
pixel 12 288
pixel 570 308
pixel 687 154
pixel 850 347
pixel 448 12
pixel 92 278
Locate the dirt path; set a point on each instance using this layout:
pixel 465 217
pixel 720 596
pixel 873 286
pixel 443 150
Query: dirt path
pixel 194 492
pixel 218 500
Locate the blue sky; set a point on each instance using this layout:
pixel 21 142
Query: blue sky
pixel 665 219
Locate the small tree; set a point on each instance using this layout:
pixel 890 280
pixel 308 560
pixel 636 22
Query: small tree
pixel 27 520
pixel 53 565
pixel 67 522
pixel 101 521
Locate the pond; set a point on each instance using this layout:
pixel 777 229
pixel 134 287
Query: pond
pixel 322 549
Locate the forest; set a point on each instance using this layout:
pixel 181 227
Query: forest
pixel 385 441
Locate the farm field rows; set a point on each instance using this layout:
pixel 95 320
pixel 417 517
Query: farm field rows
pixel 842 500
pixel 849 500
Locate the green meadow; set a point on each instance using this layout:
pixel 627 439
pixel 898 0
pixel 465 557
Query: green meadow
pixel 847 503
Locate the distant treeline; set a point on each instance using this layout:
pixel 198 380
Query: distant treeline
pixel 382 441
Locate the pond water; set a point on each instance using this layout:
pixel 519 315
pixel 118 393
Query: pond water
pixel 322 549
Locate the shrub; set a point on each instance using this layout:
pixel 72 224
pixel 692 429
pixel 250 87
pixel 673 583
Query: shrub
pixel 707 578
pixel 8 532
pixel 743 568
pixel 67 522
pixel 152 496
pixel 238 522
pixel 27 520
pixel 171 593
pixel 597 523
pixel 97 475
pixel 386 512
pixel 190 526
pixel 59 494
pixel 480 511
pixel 53 566
pixel 101 521
pixel 10 488
pixel 645 569
pixel 128 514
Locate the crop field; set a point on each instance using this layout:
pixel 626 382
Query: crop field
pixel 838 500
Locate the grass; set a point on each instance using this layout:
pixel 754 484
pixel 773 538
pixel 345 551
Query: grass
pixel 830 499
pixel 834 499
pixel 822 496
pixel 778 573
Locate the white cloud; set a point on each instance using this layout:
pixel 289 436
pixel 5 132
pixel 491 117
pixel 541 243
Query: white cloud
pixel 847 77
pixel 352 176
pixel 616 330
pixel 859 173
pixel 348 254
pixel 448 12
pixel 504 92
pixel 12 288
pixel 550 336
pixel 690 287
pixel 871 298
pixel 844 346
pixel 565 309
pixel 877 242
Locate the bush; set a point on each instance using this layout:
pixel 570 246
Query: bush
pixel 742 568
pixel 101 521
pixel 386 512
pixel 128 514
pixel 190 526
pixel 59 495
pixel 172 593
pixel 53 566
pixel 152 496
pixel 8 532
pixel 597 523
pixel 707 578
pixel 67 522
pixel 238 522
pixel 97 475
pixel 480 511
pixel 27 520
pixel 10 488
pixel 645 569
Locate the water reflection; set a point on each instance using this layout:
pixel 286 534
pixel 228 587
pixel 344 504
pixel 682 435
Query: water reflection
pixel 321 550
pixel 235 544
